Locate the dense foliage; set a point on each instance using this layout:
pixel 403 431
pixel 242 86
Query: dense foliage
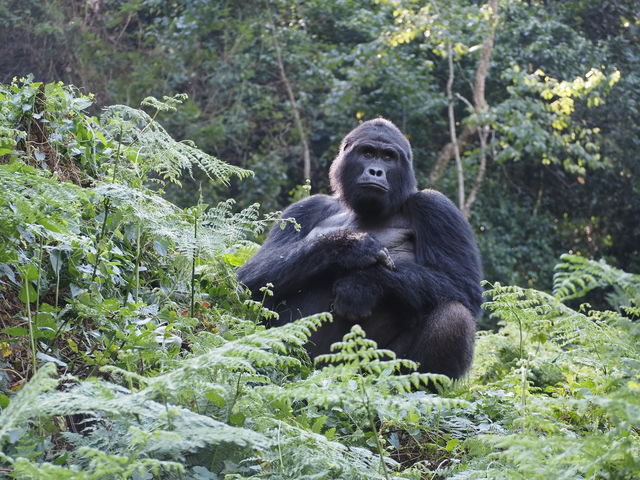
pixel 127 349
pixel 274 84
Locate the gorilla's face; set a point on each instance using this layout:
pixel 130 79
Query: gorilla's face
pixel 373 174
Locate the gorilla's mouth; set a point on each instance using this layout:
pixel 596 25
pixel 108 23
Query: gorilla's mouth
pixel 374 186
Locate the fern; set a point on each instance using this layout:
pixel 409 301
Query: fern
pixel 303 455
pixel 539 319
pixel 41 205
pixel 217 228
pixel 190 384
pixel 245 355
pixel 366 385
pixel 151 149
pixel 521 455
pixel 576 276
pixel 156 429
pixel 21 407
pixel 550 363
pixel 99 466
pixel 358 363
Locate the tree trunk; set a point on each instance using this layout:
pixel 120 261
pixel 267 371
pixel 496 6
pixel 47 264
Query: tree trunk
pixel 457 145
pixel 452 129
pixel 297 118
pixel 481 106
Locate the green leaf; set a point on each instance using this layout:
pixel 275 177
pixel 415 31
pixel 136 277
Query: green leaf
pixel 16 331
pixel 29 272
pixel 413 417
pixel 111 304
pixel 62 459
pixel 51 225
pixel 215 398
pixel 160 248
pixel 76 290
pixel 4 401
pixel 318 424
pixel 27 288
pixel 45 307
pixel 452 444
pixel 72 345
pixel 237 419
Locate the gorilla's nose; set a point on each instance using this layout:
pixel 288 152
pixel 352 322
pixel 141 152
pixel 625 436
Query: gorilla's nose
pixel 374 172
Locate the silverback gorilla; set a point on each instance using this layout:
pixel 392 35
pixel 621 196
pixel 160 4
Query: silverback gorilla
pixel 400 262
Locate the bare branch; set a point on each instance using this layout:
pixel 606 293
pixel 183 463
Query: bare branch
pixel 447 152
pixel 481 105
pixel 457 145
pixel 452 129
pixel 483 133
pixel 297 118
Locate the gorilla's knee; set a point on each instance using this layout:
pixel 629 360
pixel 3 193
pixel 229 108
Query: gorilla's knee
pixel 445 344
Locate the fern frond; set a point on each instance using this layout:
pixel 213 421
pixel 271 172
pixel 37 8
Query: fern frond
pixel 167 105
pixel 265 348
pixel 576 276
pixel 217 229
pixel 147 141
pixel 305 455
pixel 170 428
pixel 21 407
pixel 575 339
pixel 99 466
pixel 356 366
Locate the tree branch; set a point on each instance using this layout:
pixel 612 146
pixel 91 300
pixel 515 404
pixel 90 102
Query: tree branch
pixel 306 154
pixel 452 129
pixel 480 107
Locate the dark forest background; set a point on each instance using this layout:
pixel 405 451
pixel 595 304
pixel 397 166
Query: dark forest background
pixel 271 83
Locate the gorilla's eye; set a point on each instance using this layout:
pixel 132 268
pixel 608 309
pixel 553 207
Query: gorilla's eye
pixel 388 155
pixel 368 152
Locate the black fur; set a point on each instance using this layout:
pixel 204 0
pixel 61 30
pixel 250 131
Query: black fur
pixel 402 263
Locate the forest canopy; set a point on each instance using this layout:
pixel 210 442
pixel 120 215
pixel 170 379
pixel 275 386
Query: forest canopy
pixel 273 86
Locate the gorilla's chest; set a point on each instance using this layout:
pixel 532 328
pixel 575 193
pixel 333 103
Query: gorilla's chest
pixel 395 233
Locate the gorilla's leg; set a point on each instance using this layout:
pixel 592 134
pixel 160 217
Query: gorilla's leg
pixel 443 342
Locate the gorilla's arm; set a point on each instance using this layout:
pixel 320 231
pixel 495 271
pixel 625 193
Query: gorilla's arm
pixel 446 247
pixel 289 259
pixel 447 266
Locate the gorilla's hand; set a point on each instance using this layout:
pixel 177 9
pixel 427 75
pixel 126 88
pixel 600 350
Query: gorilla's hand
pixel 384 258
pixel 355 295
pixel 353 250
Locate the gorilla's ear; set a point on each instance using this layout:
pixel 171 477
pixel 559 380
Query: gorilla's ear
pixel 345 145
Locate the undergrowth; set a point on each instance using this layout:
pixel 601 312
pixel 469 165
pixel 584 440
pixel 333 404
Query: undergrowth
pixel 128 350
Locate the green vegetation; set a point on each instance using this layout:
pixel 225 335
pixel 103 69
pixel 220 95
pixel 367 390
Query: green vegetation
pixel 127 348
pixel 129 351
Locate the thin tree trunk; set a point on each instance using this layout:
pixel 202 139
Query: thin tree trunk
pixel 452 129
pixel 450 150
pixel 446 153
pixel 482 167
pixel 481 106
pixel 306 154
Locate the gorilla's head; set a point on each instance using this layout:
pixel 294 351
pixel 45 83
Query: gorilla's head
pixel 373 172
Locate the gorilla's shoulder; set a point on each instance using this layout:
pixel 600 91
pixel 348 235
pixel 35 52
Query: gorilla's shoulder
pixel 434 211
pixel 311 210
pixel 433 202
pixel 312 206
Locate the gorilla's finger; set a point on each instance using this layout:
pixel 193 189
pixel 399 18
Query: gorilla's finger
pixel 384 258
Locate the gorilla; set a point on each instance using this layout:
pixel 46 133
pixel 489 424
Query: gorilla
pixel 400 262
